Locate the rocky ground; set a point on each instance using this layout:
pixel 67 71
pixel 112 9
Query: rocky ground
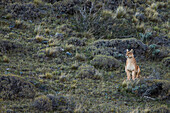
pixel 69 56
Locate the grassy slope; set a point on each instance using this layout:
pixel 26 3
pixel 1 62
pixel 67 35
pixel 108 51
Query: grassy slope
pixel 89 95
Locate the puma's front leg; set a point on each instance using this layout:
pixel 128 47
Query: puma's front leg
pixel 128 75
pixel 133 75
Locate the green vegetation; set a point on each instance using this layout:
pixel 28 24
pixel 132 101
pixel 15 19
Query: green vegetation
pixel 69 56
pixel 105 62
pixel 43 103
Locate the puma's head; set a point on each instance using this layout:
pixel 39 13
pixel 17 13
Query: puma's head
pixel 129 54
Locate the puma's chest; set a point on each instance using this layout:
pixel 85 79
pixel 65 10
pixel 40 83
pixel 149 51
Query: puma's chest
pixel 130 67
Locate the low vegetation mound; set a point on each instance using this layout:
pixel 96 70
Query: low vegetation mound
pixel 42 103
pixel 151 89
pixel 105 62
pixel 116 47
pixel 53 51
pixel 13 87
pixel 23 11
pixel 166 61
pixel 51 102
pixel 7 45
pixel 76 41
pixel 88 71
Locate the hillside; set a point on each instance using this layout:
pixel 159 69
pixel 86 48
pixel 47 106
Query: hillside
pixel 69 56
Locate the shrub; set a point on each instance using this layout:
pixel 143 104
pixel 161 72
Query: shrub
pixel 5 59
pixel 140 27
pixel 161 109
pixel 166 61
pixel 19 23
pixel 76 41
pixel 61 103
pixel 155 52
pixel 161 4
pixel 7 45
pixel 53 52
pixel 134 19
pixel 80 57
pixel 66 6
pixel 105 62
pixel 87 71
pixel 57 101
pixel 154 6
pixel 147 87
pixel 63 78
pixel 42 103
pixel 38 2
pixel 75 66
pixel 106 14
pixel 156 109
pixel 145 37
pixel 40 38
pixel 23 11
pixel 8 16
pixel 120 12
pixel 13 87
pixel 47 30
pixel 48 75
pixel 151 14
pixel 116 47
pixel 102 23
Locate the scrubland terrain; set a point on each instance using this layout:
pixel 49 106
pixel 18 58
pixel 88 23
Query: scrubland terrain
pixel 69 55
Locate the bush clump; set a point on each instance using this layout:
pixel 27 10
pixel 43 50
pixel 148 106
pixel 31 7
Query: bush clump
pixel 39 38
pixel 145 37
pixel 59 103
pixel 155 109
pixel 147 88
pixel 151 14
pixel 87 71
pixel 24 11
pixel 105 62
pixel 12 87
pixel 117 47
pixel 166 61
pixel 42 103
pixel 51 102
pixel 66 6
pixel 80 57
pixel 155 52
pixel 53 52
pixel 120 12
pixel 76 41
pixel 4 59
pixel 161 109
pixel 6 45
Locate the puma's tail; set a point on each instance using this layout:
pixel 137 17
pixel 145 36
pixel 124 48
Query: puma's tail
pixel 138 72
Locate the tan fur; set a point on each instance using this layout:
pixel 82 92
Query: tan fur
pixel 131 67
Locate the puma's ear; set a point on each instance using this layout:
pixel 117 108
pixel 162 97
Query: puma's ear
pixel 127 50
pixel 131 50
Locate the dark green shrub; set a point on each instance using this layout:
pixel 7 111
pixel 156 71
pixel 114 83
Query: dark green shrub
pixel 166 62
pixel 42 103
pixel 24 11
pixel 13 87
pixel 145 37
pixel 154 51
pixel 58 101
pixel 76 41
pixel 105 62
pixel 87 71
